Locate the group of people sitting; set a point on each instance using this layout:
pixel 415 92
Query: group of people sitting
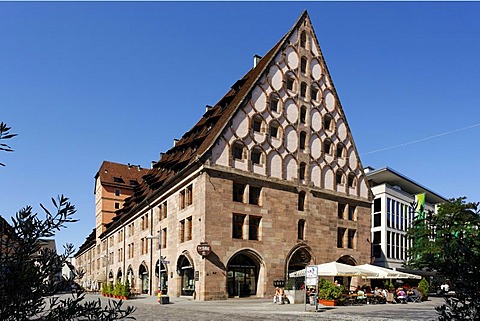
pixel 378 295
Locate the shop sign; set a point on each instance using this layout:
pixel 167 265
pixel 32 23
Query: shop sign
pixel 204 249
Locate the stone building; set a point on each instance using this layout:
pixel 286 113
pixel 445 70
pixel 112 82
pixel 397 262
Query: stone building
pixel 268 181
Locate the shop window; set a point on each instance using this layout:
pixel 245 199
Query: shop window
pixel 301 229
pixel 238 192
pixel 253 228
pixel 301 201
pixel 237 226
pixel 254 195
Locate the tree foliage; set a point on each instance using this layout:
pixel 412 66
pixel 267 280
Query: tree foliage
pixel 4 135
pixel 30 275
pixel 449 242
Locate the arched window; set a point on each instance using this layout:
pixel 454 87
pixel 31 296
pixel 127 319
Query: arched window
pixel 301 229
pixel 274 130
pixel 303 65
pixel 301 201
pixel 303 89
pixel 275 103
pixel 314 92
pixel 303 114
pixel 256 155
pixel 340 150
pixel 328 122
pixel 257 123
pixel 303 137
pixel 340 178
pixel 301 171
pixel 351 180
pixel 303 39
pixel 237 150
pixel 327 147
pixel 289 82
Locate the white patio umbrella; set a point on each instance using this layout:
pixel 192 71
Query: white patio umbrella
pixel 385 273
pixel 336 269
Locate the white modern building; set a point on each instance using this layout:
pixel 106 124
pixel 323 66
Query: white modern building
pixel 392 214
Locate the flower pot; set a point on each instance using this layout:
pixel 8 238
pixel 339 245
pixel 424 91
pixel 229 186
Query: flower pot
pixel 329 303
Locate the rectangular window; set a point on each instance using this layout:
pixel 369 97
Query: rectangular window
pixel 376 244
pixel 164 238
pixel 340 235
pixel 117 205
pixel 273 131
pixel 388 214
pixel 254 195
pixel 146 221
pixel 117 192
pixel 163 211
pixel 341 210
pixel 189 228
pixel 182 200
pixel 377 205
pixel 237 226
pixel 377 219
pixel 351 239
pixel 238 192
pixel 301 201
pixel 351 212
pixel 253 228
pixel 182 231
pixel 189 195
pixel 389 243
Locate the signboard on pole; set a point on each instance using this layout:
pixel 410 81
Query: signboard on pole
pixel 311 275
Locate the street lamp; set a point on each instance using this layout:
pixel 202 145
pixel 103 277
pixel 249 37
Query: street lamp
pixel 165 298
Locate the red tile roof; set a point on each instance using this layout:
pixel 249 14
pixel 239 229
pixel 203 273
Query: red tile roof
pixel 195 143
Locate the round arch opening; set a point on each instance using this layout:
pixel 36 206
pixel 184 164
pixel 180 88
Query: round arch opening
pixel 186 271
pixel 242 275
pixel 299 259
pixel 143 275
pixel 163 282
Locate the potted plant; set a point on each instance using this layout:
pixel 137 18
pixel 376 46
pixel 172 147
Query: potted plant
pixel 329 294
pixel 118 290
pixel 104 289
pixel 126 290
pixel 424 288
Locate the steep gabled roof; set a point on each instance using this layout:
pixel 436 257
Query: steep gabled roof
pixel 121 175
pixel 197 142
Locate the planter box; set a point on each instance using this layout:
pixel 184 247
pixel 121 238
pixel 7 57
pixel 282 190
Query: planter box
pixel 164 300
pixel 295 296
pixel 329 303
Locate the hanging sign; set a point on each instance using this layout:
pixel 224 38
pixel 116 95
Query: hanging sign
pixel 204 249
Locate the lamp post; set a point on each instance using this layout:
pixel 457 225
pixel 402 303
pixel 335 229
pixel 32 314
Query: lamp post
pixel 161 299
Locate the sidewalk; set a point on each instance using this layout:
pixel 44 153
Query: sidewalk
pixel 264 309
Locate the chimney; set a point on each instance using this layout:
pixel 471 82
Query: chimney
pixel 152 164
pixel 138 167
pixel 256 60
pixel 175 141
pixel 161 154
pixel 207 108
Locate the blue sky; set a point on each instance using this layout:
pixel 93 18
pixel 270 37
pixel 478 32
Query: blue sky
pixel 85 82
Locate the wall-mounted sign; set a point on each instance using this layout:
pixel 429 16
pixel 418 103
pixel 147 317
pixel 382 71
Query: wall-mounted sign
pixel 204 249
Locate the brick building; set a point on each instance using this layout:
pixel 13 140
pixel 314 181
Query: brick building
pixel 269 180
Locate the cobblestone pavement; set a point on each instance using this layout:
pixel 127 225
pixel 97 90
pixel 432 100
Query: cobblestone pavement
pixel 262 309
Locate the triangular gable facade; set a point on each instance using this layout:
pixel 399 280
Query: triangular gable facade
pixel 291 125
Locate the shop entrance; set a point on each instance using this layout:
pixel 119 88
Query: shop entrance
pixel 186 272
pixel 242 276
pixel 163 277
pixel 143 274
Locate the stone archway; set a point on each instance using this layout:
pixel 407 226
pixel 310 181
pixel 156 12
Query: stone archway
pixel 143 276
pixel 186 272
pixel 298 258
pixel 131 277
pixel 243 270
pixel 346 281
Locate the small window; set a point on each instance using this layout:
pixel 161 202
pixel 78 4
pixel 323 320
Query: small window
pixel 117 192
pixel 303 65
pixel 189 195
pixel 289 82
pixel 303 114
pixel 327 147
pixel 340 236
pixel 351 180
pixel 303 138
pixel 341 210
pixel 253 228
pixel 189 228
pixel 238 192
pixel 256 156
pixel 117 205
pixel 237 150
pixel 377 205
pixel 182 200
pixel 351 212
pixel 301 171
pixel 118 180
pixel 328 122
pixel 377 220
pixel 237 226
pixel 314 93
pixel 273 131
pixel 254 195
pixel 275 103
pixel 340 150
pixel 133 182
pixel 303 39
pixel 340 178
pixel 182 231
pixel 303 90
pixel 301 229
pixel 351 239
pixel 301 201
pixel 257 124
